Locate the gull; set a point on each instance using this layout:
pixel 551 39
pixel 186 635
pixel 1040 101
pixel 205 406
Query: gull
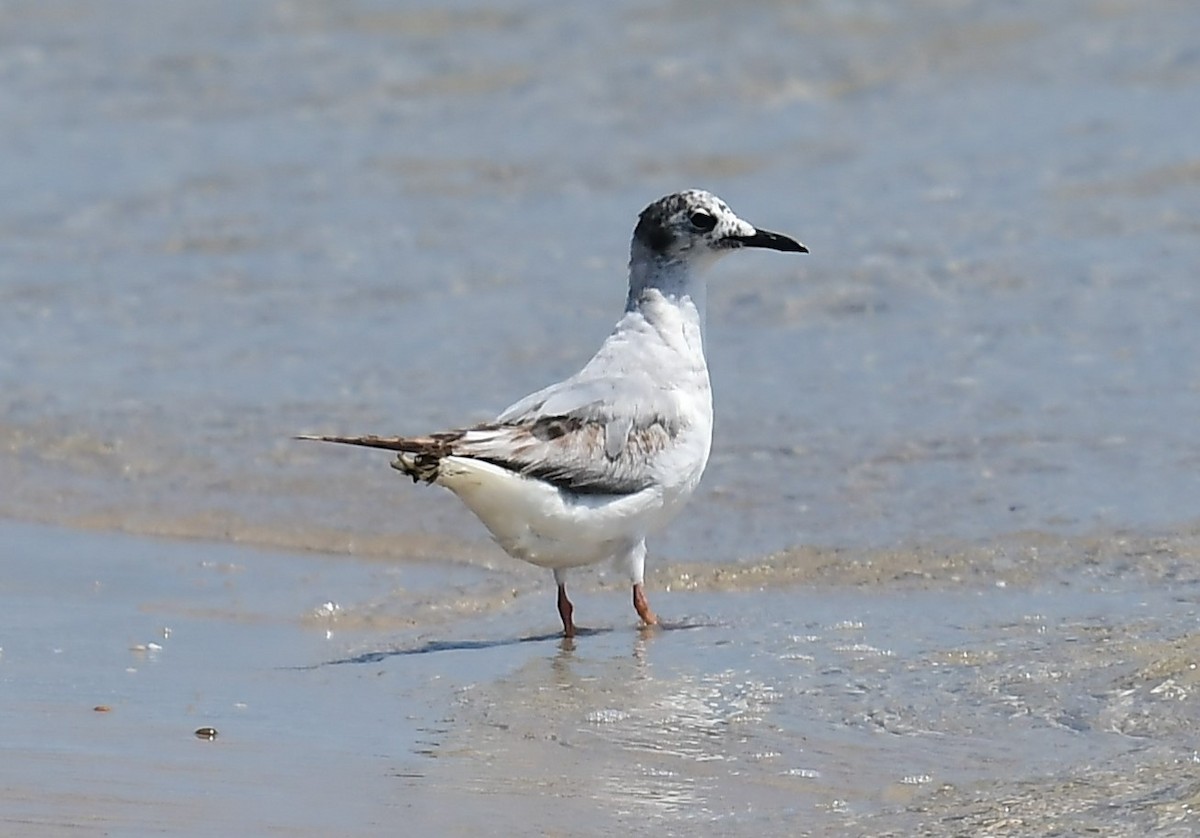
pixel 584 470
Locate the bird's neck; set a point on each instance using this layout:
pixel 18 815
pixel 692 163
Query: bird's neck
pixel 668 296
pixel 655 283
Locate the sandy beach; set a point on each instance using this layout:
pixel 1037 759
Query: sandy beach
pixel 1050 688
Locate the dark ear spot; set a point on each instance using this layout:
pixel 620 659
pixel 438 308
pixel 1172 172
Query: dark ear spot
pixel 652 232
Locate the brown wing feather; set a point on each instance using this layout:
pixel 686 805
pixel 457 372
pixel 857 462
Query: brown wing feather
pixel 436 444
pixel 570 452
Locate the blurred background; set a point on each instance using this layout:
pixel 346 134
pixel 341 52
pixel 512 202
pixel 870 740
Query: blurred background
pixel 223 223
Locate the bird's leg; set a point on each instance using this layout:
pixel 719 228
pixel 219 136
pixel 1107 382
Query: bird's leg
pixel 565 610
pixel 642 606
pixel 633 562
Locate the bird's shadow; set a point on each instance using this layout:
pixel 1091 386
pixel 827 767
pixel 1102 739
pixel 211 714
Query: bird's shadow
pixel 432 646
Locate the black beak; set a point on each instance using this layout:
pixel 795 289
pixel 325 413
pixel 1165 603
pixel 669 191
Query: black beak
pixel 771 241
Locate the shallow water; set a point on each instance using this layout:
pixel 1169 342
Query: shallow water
pixel 228 225
pixel 1064 702
pixel 939 570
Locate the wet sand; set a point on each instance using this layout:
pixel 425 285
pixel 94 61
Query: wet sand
pixel 1045 685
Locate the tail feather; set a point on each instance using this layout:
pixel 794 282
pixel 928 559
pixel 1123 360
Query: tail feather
pixel 390 443
pixel 420 457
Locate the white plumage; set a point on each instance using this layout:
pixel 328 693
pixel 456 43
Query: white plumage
pixel 584 470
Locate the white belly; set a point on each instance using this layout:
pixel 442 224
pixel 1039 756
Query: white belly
pixel 537 523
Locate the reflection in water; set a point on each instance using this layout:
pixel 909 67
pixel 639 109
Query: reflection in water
pixel 795 715
pixel 648 731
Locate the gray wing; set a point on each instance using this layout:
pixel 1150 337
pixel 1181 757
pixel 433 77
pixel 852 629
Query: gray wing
pixel 598 435
pixel 599 395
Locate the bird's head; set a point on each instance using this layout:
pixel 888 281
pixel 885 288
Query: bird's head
pixel 696 227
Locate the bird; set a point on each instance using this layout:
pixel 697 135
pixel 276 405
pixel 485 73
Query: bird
pixel 583 471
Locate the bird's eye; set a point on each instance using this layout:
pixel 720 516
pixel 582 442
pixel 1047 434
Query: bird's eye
pixel 703 221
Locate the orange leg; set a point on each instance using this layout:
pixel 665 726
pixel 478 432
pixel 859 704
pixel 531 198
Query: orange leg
pixel 565 610
pixel 643 607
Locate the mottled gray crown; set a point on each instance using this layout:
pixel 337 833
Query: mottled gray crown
pixel 696 226
pixel 678 222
